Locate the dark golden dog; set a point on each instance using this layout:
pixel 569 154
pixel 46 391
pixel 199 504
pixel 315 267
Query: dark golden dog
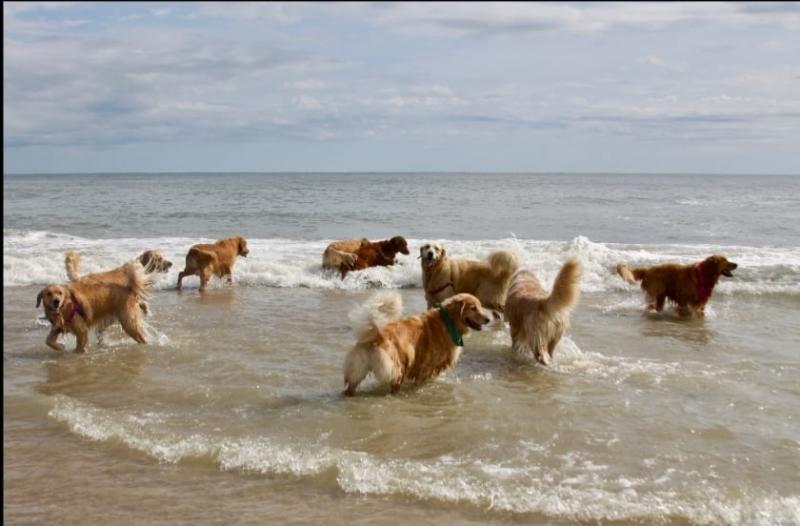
pixel 380 253
pixel 216 259
pixel 488 280
pixel 689 287
pixel 415 348
pixel 78 306
pixel 539 319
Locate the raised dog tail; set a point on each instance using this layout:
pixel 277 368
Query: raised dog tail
pixel 138 280
pixel 503 263
pixel 630 275
pixel 566 288
pixel 377 311
pixel 72 260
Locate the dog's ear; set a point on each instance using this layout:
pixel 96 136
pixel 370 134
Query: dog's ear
pixel 444 250
pixel 39 298
pixel 461 311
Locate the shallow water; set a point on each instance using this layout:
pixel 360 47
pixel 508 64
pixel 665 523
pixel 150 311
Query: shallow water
pixel 233 412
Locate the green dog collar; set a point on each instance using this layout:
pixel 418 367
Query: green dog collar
pixel 455 334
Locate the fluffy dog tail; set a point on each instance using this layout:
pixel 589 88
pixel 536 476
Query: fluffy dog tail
pixel 630 275
pixel 377 311
pixel 503 263
pixel 138 280
pixel 566 288
pixel 72 261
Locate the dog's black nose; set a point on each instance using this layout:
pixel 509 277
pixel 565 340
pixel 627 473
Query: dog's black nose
pixel 430 255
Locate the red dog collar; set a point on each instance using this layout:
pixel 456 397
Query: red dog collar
pixel 704 286
pixel 75 308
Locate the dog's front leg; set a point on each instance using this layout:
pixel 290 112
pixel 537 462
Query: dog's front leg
pixel 81 333
pixel 52 339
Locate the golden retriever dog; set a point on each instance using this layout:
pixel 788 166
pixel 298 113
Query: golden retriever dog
pixel 341 253
pixel 80 305
pixel 487 280
pixel 688 287
pixel 415 348
pixel 539 319
pixel 151 260
pixel 213 260
pixel 380 253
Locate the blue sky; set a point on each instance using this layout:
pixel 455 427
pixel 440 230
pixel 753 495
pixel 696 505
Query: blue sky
pixel 583 87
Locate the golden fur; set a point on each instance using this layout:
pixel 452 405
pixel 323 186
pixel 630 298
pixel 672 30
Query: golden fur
pixel 379 253
pixel 539 319
pixel 217 259
pixel 151 260
pixel 414 348
pixel 488 280
pixel 341 253
pixel 80 305
pixel 689 287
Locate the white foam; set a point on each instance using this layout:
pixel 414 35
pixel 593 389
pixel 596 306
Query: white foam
pixel 575 489
pixel 37 258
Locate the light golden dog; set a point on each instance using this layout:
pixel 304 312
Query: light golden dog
pixel 341 253
pixel 689 287
pixel 539 319
pixel 487 280
pixel 78 306
pixel 415 348
pixel 216 259
pixel 151 260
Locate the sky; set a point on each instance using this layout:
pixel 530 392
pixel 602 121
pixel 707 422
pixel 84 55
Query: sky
pixel 478 87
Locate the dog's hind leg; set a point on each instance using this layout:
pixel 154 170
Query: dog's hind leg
pixel 132 326
pixel 356 368
pixel 184 273
pixel 205 276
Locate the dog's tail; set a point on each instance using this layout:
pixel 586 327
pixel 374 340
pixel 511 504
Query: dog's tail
pixel 630 275
pixel 503 263
pixel 138 280
pixel 377 311
pixel 72 261
pixel 566 288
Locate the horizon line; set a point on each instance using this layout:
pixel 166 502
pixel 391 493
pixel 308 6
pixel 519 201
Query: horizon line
pixel 390 172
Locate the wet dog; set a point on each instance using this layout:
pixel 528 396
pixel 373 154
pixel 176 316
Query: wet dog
pixel 488 280
pixel 78 306
pixel 381 253
pixel 217 259
pixel 539 319
pixel 688 287
pixel 414 348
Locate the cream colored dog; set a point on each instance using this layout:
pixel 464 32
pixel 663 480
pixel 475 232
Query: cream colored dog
pixel 538 319
pixel 415 348
pixel 488 280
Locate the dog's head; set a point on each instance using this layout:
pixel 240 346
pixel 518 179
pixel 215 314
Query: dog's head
pixel 153 261
pixel 431 253
pixel 399 244
pixel 241 246
pixel 467 311
pixel 54 297
pixel 717 265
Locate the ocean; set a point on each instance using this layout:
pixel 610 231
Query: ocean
pixel 233 412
